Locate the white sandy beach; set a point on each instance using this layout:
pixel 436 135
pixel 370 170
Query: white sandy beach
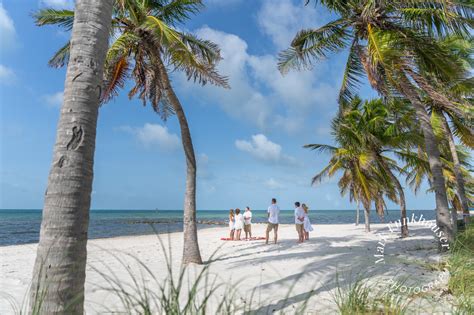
pixel 270 270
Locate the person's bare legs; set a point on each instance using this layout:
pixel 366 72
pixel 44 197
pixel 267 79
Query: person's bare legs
pixel 306 235
pixel 275 234
pixel 239 231
pixel 300 235
pixel 232 235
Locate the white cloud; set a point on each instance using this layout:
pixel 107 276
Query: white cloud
pixel 263 149
pixel 281 19
pixel 243 101
pixel 58 4
pixel 260 147
pixel 151 135
pixel 7 75
pixel 273 184
pixel 7 29
pixel 54 100
pixel 259 94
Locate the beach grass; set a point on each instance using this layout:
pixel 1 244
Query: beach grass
pixel 461 268
pixel 351 297
pixel 461 264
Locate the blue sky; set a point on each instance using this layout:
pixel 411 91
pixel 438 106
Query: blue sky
pixel 248 139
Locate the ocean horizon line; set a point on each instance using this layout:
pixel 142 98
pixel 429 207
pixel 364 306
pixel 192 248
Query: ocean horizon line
pixel 155 210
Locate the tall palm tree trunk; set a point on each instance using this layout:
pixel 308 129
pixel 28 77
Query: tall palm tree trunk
pixel 357 213
pixel 401 198
pixel 443 216
pixel 457 172
pixel 191 252
pixel 60 266
pixel 367 217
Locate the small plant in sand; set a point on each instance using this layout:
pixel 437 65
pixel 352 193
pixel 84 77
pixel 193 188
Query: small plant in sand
pixel 189 290
pixel 351 297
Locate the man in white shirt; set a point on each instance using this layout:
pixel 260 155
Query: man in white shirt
pixel 299 220
pixel 273 213
pixel 248 223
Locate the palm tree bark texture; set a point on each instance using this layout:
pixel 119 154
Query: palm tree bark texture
pixel 60 266
pixel 443 216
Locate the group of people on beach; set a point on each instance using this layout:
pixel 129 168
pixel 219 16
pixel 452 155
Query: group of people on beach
pixel 239 222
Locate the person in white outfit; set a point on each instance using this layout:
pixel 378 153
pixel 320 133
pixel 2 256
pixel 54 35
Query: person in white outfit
pixel 299 220
pixel 231 224
pixel 239 224
pixel 306 223
pixel 248 223
pixel 273 213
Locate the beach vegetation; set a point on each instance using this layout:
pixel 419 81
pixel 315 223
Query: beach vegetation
pixel 461 264
pixel 359 296
pixel 365 132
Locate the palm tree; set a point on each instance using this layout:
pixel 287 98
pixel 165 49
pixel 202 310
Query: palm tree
pixel 360 177
pixel 450 123
pixel 383 127
pixel 355 179
pixel 145 41
pixel 390 41
pixel 60 265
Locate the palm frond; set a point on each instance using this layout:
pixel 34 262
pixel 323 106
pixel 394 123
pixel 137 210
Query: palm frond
pixel 352 74
pixel 318 178
pixel 61 57
pixel 313 45
pixel 173 12
pixel 463 132
pixel 115 75
pixel 198 59
pixel 62 18
pixel 436 20
pixel 322 148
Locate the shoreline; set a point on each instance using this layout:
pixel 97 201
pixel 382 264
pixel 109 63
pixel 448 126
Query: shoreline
pixel 211 226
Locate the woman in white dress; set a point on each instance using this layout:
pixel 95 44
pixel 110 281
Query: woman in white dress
pixel 231 224
pixel 239 224
pixel 306 223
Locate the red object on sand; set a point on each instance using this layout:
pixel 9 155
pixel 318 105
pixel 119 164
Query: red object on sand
pixel 250 239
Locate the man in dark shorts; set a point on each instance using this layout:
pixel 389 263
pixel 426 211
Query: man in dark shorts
pixel 273 213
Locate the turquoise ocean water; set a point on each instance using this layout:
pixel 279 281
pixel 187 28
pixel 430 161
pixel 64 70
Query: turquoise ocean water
pixel 22 226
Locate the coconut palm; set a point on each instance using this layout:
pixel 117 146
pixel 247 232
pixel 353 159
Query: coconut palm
pixel 382 127
pixel 146 46
pixel 361 178
pixel 389 42
pixel 60 265
pixel 356 180
pixel 450 123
